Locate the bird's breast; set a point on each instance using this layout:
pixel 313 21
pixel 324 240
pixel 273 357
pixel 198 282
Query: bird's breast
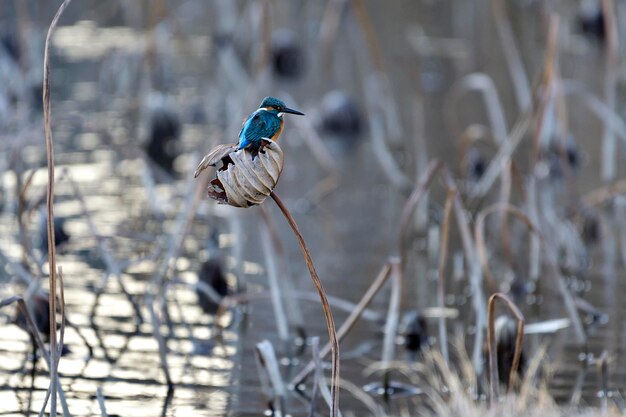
pixel 278 131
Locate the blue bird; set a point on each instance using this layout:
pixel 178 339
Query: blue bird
pixel 265 124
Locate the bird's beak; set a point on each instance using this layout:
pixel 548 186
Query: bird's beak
pixel 292 111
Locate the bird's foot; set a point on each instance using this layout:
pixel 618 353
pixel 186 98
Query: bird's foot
pixel 264 143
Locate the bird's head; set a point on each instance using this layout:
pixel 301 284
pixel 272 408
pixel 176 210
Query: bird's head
pixel 277 106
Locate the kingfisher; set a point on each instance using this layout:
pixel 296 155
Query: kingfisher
pixel 263 125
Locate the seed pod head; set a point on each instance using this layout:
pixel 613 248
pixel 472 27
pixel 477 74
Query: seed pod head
pixel 245 178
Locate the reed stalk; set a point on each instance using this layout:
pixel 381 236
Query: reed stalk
pixel 505 152
pixel 271 379
pixel 24 311
pixel 54 353
pixel 391 323
pixel 550 256
pixel 103 410
pixel 317 360
pixel 609 154
pixel 491 346
pixel 409 207
pixel 328 315
pixel 521 86
pixel 347 325
pixel 294 312
pixel 443 257
pixel 275 288
pixel 544 94
pixel 493 107
pixel 475 273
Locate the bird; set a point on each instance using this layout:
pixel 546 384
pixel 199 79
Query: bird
pixel 265 123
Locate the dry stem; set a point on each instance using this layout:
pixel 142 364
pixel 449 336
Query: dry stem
pixel 443 256
pixel 350 321
pixel 330 324
pixel 491 346
pixel 413 200
pixel 54 354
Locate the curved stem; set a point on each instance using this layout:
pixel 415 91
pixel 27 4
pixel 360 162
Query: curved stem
pixel 492 345
pixel 330 323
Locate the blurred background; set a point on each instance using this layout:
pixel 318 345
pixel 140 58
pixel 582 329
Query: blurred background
pixel 521 100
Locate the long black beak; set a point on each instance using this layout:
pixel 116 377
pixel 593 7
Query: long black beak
pixel 292 111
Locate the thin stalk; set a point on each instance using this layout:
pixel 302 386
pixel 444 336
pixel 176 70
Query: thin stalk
pixel 328 315
pixel 443 257
pixel 329 28
pixel 383 153
pixel 27 254
pixel 50 208
pixel 391 324
pixel 607 115
pixel 505 197
pixel 156 332
pixel 609 154
pixel 21 305
pixel 479 233
pixel 420 150
pixel 533 214
pixel 347 325
pixel 550 256
pixel 113 266
pixel 389 108
pixel 482 83
pixel 475 273
pixel 514 63
pixel 496 165
pixel 365 398
pixel 294 312
pixel 544 94
pixel 369 31
pixel 337 303
pixel 275 287
pixel 604 380
pixel 318 148
pixel 103 410
pixel 409 207
pixel 491 346
pixel 317 360
pixel 63 318
pixel 271 379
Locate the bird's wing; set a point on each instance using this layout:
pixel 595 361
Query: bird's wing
pixel 253 130
pixel 214 156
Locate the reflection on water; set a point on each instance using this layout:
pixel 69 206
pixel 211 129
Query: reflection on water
pixel 118 231
pixel 125 361
pixel 135 251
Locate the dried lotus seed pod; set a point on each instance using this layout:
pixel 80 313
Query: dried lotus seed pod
pixel 245 178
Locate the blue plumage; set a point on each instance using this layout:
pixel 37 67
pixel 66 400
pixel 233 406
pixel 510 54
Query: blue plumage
pixel 265 123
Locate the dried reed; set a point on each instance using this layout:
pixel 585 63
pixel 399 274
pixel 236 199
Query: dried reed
pixel 492 349
pixel 330 324
pixel 54 352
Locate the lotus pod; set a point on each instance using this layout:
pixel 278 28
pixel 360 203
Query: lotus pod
pixel 246 178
